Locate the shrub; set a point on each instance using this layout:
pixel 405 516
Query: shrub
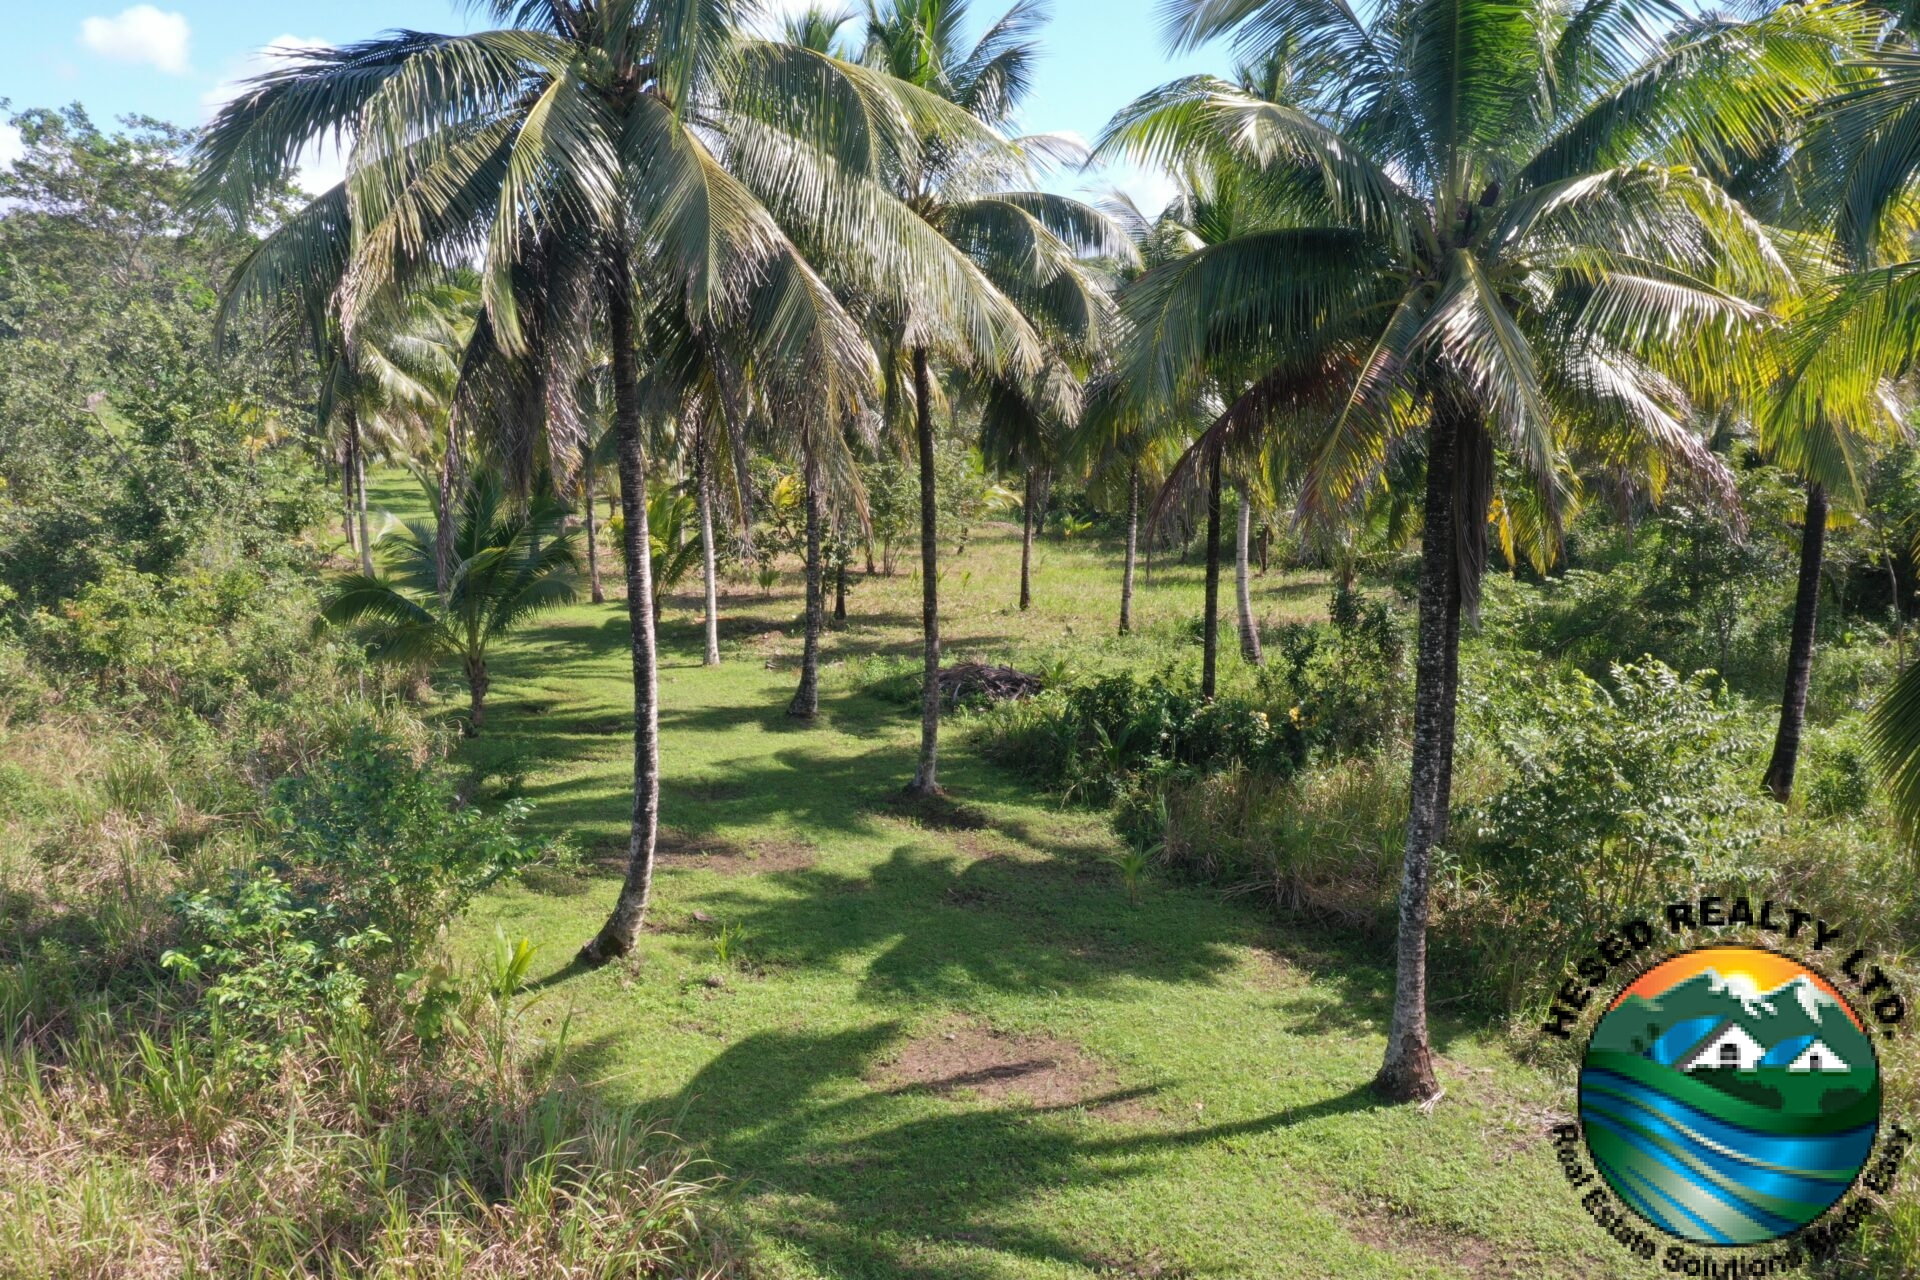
pixel 382 842
pixel 1617 797
pixel 1334 690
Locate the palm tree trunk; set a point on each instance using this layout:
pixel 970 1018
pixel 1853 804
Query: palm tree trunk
pixel 622 930
pixel 1210 657
pixel 1407 1072
pixel 1243 545
pixel 1806 616
pixel 1133 550
pixel 743 476
pixel 346 494
pixel 1026 544
pixel 806 699
pixel 926 778
pixel 843 550
pixel 477 686
pixel 443 516
pixel 593 539
pixel 360 487
pixel 703 480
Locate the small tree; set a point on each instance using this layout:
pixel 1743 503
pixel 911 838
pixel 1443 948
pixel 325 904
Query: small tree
pixel 507 566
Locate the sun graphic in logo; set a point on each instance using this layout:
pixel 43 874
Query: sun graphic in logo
pixel 1730 1095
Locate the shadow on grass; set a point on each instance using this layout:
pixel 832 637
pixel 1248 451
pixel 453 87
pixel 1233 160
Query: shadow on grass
pixel 864 1181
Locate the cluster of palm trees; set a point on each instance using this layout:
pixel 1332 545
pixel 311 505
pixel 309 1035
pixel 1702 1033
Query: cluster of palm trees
pixel 1482 259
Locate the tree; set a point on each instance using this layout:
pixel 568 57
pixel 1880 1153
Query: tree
pixel 1242 586
pixel 1021 245
pixel 1024 427
pixel 1480 231
pixel 1857 342
pixel 592 154
pixel 1850 175
pixel 508 565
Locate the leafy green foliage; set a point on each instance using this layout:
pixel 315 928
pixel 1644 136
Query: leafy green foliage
pixel 1618 796
pixel 384 844
pixel 271 972
pixel 1337 689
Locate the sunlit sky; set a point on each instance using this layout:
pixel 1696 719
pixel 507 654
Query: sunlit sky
pixel 176 59
pixel 1750 971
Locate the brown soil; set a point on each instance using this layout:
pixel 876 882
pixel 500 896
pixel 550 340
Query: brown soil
pixel 1381 1226
pixel 936 813
pixel 967 1060
pixel 676 849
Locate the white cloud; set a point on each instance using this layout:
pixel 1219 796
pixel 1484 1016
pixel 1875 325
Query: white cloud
pixel 140 34
pixel 11 148
pixel 321 166
pixel 267 57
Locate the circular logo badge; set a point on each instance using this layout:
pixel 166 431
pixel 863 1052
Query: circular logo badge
pixel 1730 1095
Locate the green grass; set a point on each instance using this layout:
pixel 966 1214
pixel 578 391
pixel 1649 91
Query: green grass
pixel 1225 1127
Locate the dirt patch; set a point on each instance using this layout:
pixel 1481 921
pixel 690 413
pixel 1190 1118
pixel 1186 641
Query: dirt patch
pixel 1380 1225
pixel 936 813
pixel 730 858
pixel 1130 1265
pixel 680 850
pixel 966 1060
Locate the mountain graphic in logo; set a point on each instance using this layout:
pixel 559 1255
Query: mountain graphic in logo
pixel 1730 1096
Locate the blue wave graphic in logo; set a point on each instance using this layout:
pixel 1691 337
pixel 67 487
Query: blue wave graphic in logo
pixel 1725 1113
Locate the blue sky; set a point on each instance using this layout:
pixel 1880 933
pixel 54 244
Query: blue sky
pixel 173 58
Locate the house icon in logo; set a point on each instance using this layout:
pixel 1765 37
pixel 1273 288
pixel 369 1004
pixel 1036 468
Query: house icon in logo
pixel 1728 1045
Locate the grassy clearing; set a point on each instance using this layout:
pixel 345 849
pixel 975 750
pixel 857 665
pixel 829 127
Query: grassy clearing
pixel 928 1051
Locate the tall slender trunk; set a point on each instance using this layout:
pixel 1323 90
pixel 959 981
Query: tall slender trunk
pixel 703 480
pixel 806 699
pixel 926 778
pixel 593 538
pixel 1210 657
pixel 1407 1072
pixel 1133 549
pixel 1806 617
pixel 1243 588
pixel 842 552
pixel 360 488
pixel 1026 544
pixel 477 686
pixel 346 494
pixel 622 930
pixel 742 474
pixel 1266 540
pixel 443 518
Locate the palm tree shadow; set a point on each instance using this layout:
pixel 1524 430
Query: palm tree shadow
pixel 793 1117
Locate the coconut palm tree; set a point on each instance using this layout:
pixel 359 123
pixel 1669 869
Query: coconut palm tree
pixel 1480 232
pixel 1024 427
pixel 1243 492
pixel 510 562
pixel 1851 356
pixel 587 152
pixel 1024 245
pixel 1854 174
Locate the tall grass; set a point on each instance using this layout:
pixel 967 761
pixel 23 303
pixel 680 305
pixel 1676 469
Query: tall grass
pixel 126 1153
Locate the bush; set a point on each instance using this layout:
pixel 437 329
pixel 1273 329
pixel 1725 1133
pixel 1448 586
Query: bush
pixel 384 845
pixel 1617 797
pixel 1335 690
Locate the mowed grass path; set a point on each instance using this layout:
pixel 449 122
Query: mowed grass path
pixel 954 1054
